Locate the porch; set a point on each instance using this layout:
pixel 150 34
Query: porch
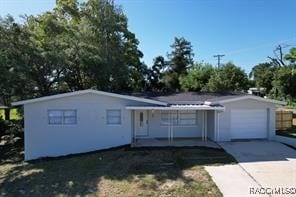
pixel 176 142
pixel 178 125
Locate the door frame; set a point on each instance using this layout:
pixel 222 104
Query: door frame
pixel 137 112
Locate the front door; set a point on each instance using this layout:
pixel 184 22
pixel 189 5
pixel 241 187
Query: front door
pixel 141 123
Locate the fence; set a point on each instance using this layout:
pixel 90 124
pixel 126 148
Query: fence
pixel 284 119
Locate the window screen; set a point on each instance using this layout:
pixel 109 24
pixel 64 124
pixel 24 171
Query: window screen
pixel 113 117
pixel 60 117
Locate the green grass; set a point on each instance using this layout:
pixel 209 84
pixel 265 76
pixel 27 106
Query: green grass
pixel 118 172
pixel 14 115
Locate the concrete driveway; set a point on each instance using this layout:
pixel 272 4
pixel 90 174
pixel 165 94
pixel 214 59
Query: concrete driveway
pixel 262 164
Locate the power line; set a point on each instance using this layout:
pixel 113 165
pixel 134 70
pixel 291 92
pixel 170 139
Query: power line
pixel 218 56
pixel 242 50
pixel 256 47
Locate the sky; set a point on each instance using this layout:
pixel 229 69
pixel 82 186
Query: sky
pixel 245 31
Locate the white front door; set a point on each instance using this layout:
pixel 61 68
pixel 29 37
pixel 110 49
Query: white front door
pixel 141 123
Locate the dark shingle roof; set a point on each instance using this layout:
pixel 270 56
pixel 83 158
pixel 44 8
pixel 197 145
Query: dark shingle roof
pixel 186 97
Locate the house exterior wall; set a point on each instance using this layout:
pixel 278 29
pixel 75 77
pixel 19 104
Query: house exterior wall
pixel 157 130
pixel 211 124
pixel 225 117
pixel 90 133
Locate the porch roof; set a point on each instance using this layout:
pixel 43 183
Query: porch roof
pixel 179 107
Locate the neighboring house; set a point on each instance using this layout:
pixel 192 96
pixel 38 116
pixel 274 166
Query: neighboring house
pixel 91 120
pixel 257 91
pixel 2 106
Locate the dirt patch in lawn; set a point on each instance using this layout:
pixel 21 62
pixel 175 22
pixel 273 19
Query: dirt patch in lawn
pixel 119 172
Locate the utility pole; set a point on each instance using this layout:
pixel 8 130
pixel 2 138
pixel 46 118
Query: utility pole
pixel 218 56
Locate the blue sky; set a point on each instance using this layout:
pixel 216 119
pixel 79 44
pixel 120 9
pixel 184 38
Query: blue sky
pixel 245 31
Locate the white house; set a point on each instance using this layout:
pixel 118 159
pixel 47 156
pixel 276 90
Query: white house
pixel 89 120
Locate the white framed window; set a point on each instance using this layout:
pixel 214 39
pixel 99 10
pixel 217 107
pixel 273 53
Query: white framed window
pixel 169 117
pixel 62 117
pixel 70 117
pixel 181 118
pixel 187 117
pixel 113 116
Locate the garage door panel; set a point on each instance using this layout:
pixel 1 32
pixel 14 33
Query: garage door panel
pixel 247 124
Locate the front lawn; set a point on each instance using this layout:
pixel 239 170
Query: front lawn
pixel 118 172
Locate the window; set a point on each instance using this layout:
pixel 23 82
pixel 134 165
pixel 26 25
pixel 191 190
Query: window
pixel 62 117
pixel 178 117
pixel 187 118
pixel 114 117
pixel 70 117
pixel 141 119
pixel 169 117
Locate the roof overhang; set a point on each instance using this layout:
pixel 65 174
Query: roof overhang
pixel 82 92
pixel 251 97
pixel 177 107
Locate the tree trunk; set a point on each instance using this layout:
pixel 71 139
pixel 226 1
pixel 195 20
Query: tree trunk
pixel 7 113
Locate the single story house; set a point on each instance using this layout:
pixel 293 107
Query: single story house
pixel 89 120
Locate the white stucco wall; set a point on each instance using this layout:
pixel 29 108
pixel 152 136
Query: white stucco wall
pixel 225 117
pixel 91 132
pixel 156 130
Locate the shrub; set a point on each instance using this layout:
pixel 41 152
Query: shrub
pixel 4 126
pixel 11 131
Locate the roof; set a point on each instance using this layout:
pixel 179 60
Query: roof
pixel 164 98
pixel 180 107
pixel 187 97
pixel 2 106
pixel 82 92
pixel 199 97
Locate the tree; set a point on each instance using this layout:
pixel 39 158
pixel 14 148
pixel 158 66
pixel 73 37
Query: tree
pixel 73 47
pixel 284 84
pixel 263 75
pixel 155 74
pixel 13 45
pixel 138 77
pixel 278 59
pixel 291 56
pixel 180 60
pixel 197 77
pixel 46 53
pixel 228 78
pixel 79 46
pixel 104 50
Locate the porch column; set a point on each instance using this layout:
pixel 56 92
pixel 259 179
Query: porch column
pixel 217 125
pixel 170 127
pixel 202 125
pixel 133 126
pixel 168 124
pixel 206 125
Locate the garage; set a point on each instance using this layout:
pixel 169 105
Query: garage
pixel 249 123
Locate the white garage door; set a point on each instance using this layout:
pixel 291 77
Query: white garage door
pixel 248 123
